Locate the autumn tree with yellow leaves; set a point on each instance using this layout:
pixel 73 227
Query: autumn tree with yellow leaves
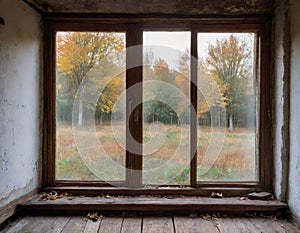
pixel 229 64
pixel 77 54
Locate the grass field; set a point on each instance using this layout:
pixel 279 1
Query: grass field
pixel 235 162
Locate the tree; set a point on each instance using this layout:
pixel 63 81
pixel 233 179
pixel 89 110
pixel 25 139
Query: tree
pixel 156 110
pixel 229 64
pixel 77 54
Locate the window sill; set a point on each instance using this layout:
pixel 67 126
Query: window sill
pixel 148 205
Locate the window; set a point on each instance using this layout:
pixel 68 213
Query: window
pixel 138 103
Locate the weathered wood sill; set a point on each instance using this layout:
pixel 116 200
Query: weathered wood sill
pixel 148 205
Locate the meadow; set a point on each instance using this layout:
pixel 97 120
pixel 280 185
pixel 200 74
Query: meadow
pixel 236 160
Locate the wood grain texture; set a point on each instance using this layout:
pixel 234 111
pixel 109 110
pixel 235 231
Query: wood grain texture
pixel 33 225
pixel 151 224
pixel 226 225
pixel 111 225
pixel 17 226
pixel 291 228
pixel 92 226
pixel 158 225
pixel 43 224
pixel 58 224
pixel 244 225
pixel 132 225
pixel 143 204
pixel 75 225
pixel 191 225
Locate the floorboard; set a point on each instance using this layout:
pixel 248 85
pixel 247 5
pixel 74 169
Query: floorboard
pixel 130 225
pixel 226 225
pixel 262 225
pixel 92 226
pixel 195 225
pixel 17 226
pixel 111 225
pixel 44 224
pixel 176 224
pixel 58 224
pixel 158 225
pixel 33 225
pixel 291 228
pixel 75 225
pixel 249 225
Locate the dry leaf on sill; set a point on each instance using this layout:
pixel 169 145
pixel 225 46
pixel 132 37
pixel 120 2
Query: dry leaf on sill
pixel 193 215
pixel 206 217
pixel 49 196
pixel 216 195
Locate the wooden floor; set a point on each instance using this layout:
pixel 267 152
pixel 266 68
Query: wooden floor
pixel 205 224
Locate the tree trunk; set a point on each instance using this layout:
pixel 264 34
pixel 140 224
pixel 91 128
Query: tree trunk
pixel 80 108
pixel 219 117
pixel 100 120
pixel 230 122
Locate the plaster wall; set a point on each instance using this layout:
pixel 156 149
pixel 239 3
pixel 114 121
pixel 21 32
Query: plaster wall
pixel 20 69
pixel 281 79
pixel 294 175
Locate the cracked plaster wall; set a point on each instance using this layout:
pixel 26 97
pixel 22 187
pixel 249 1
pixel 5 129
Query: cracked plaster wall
pixel 281 77
pixel 20 68
pixel 294 175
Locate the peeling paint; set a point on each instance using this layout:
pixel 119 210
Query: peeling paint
pixel 3 159
pixel 4 199
pixel 281 98
pixel 157 6
pixel 20 70
pixel 294 173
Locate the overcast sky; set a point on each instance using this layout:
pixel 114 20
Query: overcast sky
pixel 171 45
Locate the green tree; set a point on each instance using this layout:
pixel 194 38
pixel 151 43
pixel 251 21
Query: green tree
pixel 156 110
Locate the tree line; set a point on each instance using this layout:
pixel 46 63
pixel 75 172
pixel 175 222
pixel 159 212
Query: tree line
pixel 225 75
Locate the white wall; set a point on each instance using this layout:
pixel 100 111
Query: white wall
pixel 281 45
pixel 20 75
pixel 294 176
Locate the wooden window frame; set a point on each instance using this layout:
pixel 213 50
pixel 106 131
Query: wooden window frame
pixel 134 26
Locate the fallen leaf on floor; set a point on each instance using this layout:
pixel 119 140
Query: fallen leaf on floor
pixel 193 215
pixel 94 216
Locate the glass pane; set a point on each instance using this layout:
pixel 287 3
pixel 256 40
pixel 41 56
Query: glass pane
pixel 166 116
pixel 226 107
pixel 90 77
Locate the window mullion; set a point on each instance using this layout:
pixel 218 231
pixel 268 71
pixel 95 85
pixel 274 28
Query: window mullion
pixel 134 56
pixel 193 99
